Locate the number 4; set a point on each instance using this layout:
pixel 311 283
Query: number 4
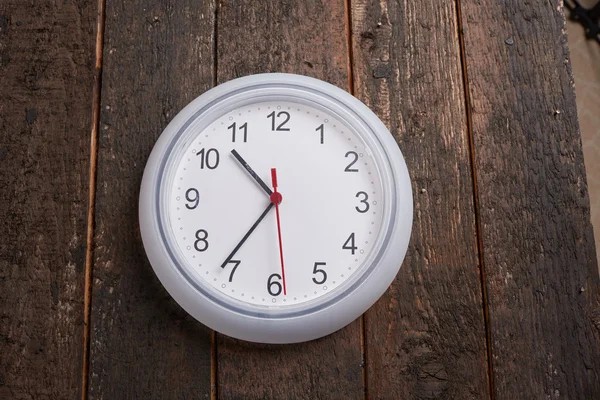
pixel 351 246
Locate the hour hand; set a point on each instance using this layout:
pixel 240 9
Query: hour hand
pixel 251 172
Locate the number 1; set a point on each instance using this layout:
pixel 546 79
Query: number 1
pixel 320 128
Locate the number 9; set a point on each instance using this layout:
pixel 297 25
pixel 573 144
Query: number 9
pixel 195 199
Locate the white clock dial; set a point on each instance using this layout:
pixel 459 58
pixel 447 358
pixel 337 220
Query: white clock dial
pixel 276 208
pixel 330 213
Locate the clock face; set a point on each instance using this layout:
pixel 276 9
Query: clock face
pixel 276 208
pixel 280 247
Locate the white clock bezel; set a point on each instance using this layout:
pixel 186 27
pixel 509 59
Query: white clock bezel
pixel 269 324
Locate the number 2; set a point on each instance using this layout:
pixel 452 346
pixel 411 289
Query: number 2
pixel 353 154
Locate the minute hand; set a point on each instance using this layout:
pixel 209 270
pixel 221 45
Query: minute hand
pixel 247 235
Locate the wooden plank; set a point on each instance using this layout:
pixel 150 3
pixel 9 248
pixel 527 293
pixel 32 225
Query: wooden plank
pixel 306 38
pixel 538 246
pixel 157 58
pixel 426 337
pixel 46 81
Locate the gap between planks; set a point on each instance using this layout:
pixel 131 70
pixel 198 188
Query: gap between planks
pixel 96 99
pixel 362 329
pixel 484 295
pixel 213 365
pixel 214 377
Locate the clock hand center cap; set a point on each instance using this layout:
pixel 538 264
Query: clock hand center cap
pixel 276 198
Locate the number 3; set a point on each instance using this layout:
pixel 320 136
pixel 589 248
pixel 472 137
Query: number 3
pixel 363 201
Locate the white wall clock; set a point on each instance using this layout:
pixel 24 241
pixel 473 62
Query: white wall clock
pixel 276 208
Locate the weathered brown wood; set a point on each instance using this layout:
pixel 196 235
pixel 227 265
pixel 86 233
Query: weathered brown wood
pixel 306 38
pixel 46 80
pixel 426 337
pixel 538 248
pixel 157 58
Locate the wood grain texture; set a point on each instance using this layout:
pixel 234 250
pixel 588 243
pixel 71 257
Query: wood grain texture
pixel 157 58
pixel 425 338
pixel 46 80
pixel 307 38
pixel 538 247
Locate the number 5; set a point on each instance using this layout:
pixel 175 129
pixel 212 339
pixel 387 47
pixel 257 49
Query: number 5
pixel 319 271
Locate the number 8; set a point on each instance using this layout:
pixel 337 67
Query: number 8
pixel 201 240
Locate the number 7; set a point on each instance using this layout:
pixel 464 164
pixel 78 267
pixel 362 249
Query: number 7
pixel 237 264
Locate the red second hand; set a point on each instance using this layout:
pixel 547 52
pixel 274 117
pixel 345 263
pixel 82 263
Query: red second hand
pixel 276 199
